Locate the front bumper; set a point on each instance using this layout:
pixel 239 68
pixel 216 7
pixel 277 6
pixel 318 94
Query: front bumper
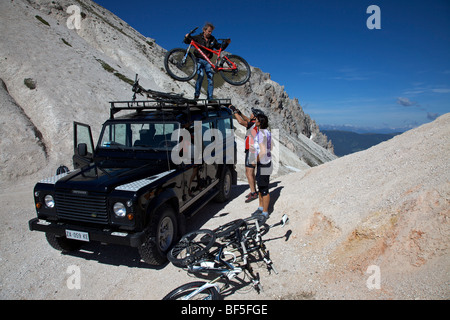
pixel 103 235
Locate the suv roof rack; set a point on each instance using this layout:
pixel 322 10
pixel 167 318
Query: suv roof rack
pixel 170 105
pixel 164 101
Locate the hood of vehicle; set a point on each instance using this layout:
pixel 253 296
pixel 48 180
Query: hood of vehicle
pixel 97 177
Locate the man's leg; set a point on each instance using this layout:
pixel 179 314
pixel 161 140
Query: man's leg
pixel 250 173
pixel 200 76
pixel 210 77
pixel 265 202
pixel 263 179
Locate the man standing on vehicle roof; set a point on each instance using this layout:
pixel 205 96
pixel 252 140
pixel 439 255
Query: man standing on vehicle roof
pixel 250 152
pixel 206 39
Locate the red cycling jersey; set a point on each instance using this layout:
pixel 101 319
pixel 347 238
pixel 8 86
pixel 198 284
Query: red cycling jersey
pixel 252 131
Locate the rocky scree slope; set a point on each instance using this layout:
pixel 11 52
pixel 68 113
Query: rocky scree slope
pixel 387 207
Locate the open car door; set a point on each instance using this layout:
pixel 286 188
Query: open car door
pixel 83 145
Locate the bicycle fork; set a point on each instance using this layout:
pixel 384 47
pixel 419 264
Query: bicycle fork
pixel 267 260
pixel 187 53
pixel 262 246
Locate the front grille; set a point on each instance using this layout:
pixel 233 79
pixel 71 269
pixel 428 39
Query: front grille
pixel 90 207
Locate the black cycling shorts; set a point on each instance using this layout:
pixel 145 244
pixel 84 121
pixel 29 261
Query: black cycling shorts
pixel 250 158
pixel 263 172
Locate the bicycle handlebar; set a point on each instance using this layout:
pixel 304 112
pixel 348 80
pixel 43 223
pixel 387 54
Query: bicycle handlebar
pixel 193 30
pixel 224 45
pixel 284 221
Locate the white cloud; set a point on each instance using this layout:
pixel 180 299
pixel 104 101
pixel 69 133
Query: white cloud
pixel 442 90
pixel 406 102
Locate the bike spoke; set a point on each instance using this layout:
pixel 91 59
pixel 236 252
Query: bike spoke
pixel 180 64
pixel 235 70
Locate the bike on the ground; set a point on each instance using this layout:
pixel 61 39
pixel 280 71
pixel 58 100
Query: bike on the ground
pixel 226 252
pixel 181 64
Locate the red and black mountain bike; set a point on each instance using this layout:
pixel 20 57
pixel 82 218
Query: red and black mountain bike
pixel 181 64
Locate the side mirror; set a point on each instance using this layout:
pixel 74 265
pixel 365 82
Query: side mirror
pixel 82 149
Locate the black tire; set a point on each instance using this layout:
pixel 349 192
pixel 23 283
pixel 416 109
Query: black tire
pixel 224 186
pixel 229 229
pixel 236 77
pixel 191 247
pixel 61 243
pixel 184 290
pixel 177 68
pixel 161 234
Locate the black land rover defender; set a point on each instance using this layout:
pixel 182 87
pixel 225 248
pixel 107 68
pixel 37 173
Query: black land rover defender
pixel 139 185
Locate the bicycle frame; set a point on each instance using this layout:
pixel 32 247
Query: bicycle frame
pixel 203 287
pixel 229 272
pixel 218 53
pixel 226 269
pixel 243 241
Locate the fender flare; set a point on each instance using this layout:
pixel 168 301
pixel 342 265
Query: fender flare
pixel 167 196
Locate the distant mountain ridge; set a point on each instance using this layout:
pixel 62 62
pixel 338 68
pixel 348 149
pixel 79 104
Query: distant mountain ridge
pixel 347 142
pixel 364 129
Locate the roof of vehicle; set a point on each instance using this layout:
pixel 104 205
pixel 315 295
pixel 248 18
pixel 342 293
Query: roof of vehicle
pixel 179 110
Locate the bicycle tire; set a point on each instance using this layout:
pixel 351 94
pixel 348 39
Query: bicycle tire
pixel 176 68
pixel 227 230
pixel 191 247
pixel 236 77
pixel 210 293
pixel 263 226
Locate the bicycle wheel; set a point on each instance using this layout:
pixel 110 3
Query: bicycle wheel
pixel 229 229
pixel 180 64
pixel 235 76
pixel 179 293
pixel 263 226
pixel 191 247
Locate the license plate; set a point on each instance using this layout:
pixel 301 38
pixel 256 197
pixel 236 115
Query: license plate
pixel 77 235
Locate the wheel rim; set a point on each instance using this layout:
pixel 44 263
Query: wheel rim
pixel 182 67
pixel 227 184
pixel 165 233
pixel 238 76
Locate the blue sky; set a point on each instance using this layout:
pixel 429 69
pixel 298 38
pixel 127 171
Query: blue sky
pixel 323 53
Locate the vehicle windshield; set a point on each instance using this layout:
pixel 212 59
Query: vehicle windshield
pixel 138 136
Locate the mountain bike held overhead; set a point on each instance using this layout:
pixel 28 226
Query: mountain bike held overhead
pixel 183 64
pixel 207 40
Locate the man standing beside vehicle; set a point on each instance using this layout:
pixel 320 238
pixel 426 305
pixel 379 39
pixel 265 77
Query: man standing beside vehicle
pixel 250 154
pixel 207 40
pixel 263 147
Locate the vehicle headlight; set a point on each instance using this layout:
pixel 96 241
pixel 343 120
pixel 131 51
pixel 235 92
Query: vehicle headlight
pixel 119 209
pixel 49 201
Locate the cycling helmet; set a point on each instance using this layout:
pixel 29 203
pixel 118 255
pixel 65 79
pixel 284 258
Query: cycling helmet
pixel 256 111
